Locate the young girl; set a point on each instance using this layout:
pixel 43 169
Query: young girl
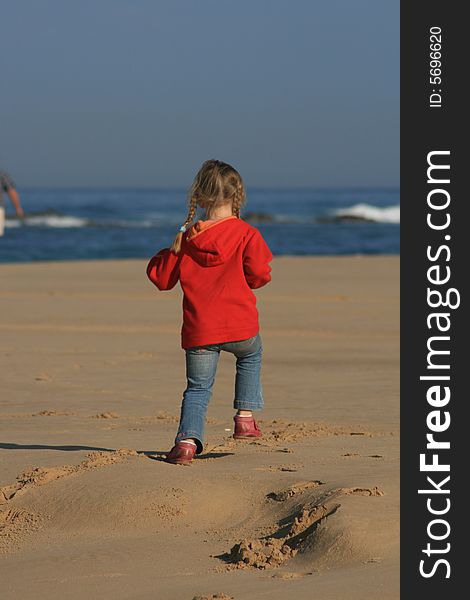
pixel 218 261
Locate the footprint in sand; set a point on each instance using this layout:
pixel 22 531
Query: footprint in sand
pixel 288 575
pixel 144 355
pixel 51 413
pixel 15 524
pixel 375 491
pixel 283 468
pixel 295 489
pixel 162 416
pixel 43 377
pixel 354 454
pixel 218 596
pixel 106 415
pixel 280 430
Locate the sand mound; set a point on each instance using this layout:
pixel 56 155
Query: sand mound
pixel 16 522
pixel 136 495
pixel 42 475
pixel 273 551
pixel 308 528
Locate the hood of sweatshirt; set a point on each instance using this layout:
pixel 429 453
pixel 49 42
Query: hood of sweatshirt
pixel 211 243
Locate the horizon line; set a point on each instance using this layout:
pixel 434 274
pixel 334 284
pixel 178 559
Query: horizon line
pixel 179 188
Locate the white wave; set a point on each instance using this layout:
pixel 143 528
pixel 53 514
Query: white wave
pixel 60 221
pixel 389 214
pixel 127 223
pixel 70 221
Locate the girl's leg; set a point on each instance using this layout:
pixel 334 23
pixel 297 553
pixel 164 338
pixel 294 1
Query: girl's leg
pixel 201 367
pixel 248 387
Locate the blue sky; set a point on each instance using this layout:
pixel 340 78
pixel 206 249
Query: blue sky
pixel 141 92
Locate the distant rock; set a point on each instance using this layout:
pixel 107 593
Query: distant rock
pixel 344 219
pixel 255 217
pixel 49 212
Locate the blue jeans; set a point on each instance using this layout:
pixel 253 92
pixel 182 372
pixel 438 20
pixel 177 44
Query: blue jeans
pixel 201 367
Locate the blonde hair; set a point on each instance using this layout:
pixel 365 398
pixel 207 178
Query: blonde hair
pixel 215 184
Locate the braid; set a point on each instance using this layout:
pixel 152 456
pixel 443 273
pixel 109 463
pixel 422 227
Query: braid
pixel 176 246
pixel 191 211
pixel 237 202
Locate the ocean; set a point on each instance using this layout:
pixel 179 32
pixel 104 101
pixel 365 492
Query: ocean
pixel 77 224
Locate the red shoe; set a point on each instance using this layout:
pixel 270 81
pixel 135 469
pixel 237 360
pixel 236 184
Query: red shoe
pixel 245 428
pixel 182 453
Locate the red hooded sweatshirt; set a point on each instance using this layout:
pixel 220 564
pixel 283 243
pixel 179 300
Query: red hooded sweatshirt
pixel 220 262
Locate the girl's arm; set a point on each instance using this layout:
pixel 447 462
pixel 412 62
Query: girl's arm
pixel 256 257
pixel 163 269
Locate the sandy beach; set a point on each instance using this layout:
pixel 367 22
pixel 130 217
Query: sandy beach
pixel 92 379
